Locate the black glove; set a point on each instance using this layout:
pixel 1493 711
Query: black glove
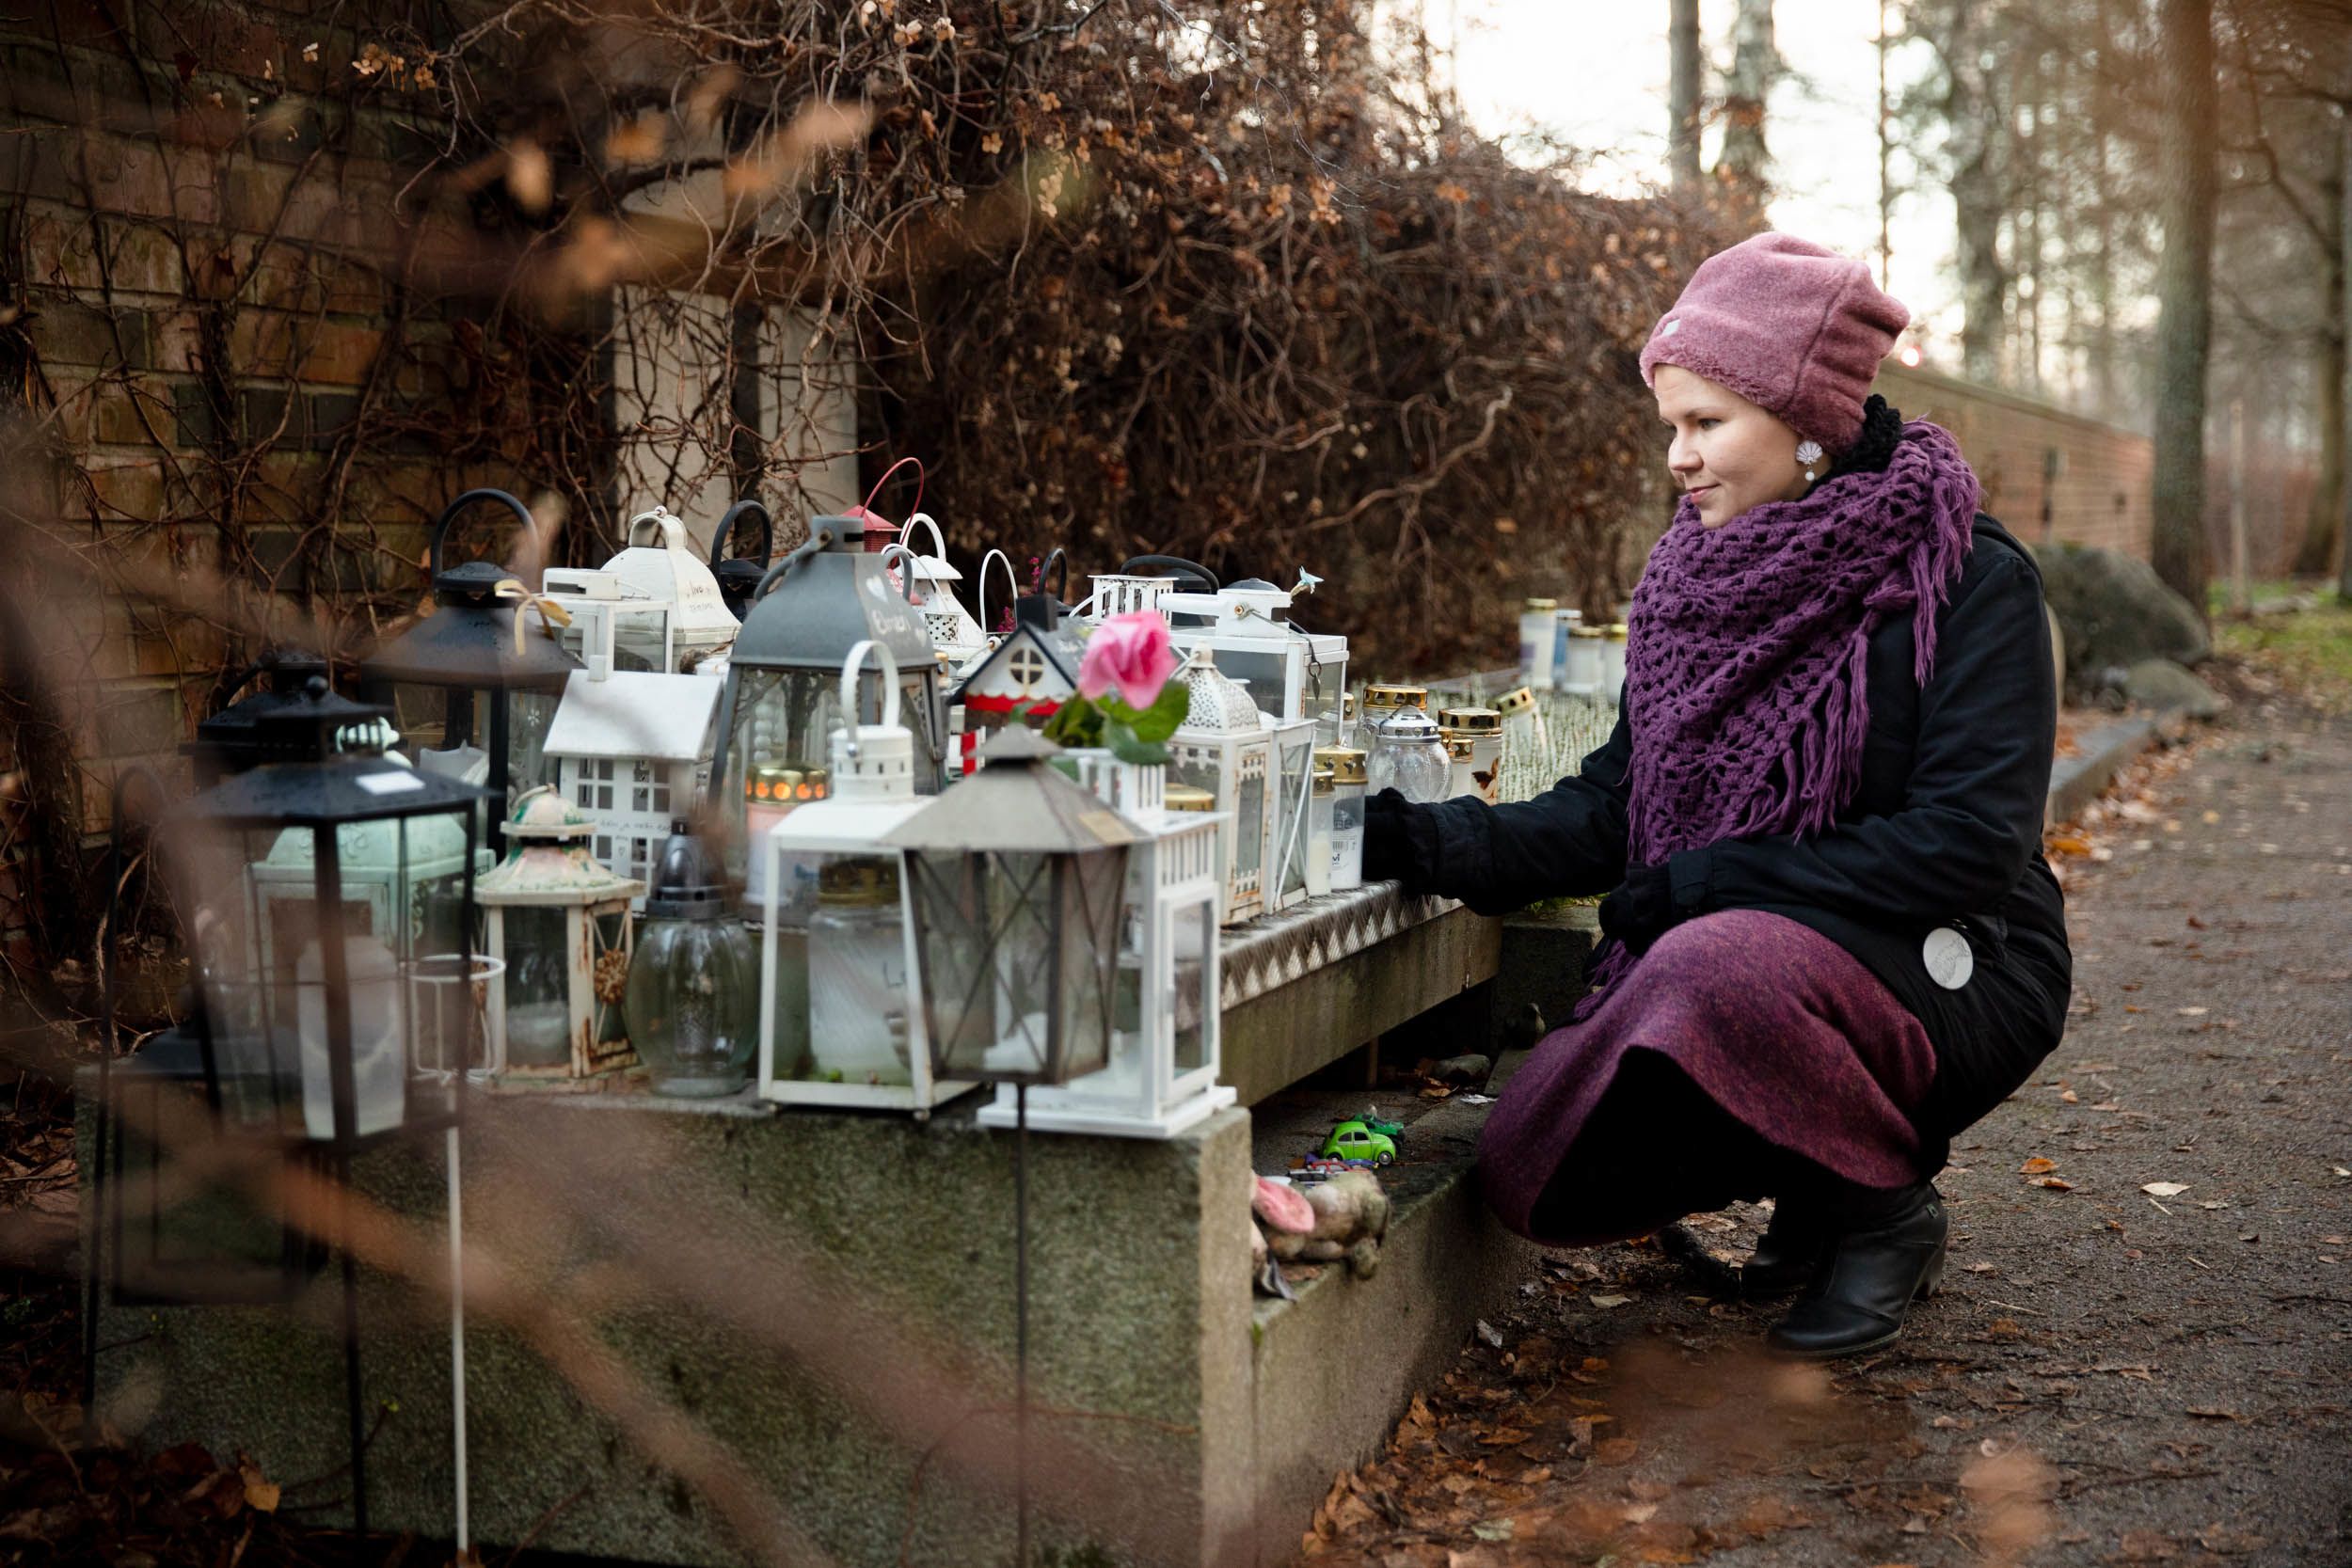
pixel 1390 855
pixel 1641 910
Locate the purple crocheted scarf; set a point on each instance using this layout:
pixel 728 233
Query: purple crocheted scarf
pixel 1745 675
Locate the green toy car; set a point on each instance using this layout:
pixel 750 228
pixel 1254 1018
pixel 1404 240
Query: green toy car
pixel 1354 1141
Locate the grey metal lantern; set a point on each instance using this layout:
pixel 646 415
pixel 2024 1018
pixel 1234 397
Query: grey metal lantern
pixel 782 694
pixel 1017 876
pixel 498 691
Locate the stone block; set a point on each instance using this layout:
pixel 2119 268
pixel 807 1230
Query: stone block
pixel 133 722
pixel 1545 958
pixel 2163 685
pixel 126 489
pixel 67 332
pixel 2115 612
pixel 277 343
pixel 62 247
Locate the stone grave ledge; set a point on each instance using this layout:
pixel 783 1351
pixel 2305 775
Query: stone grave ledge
pixel 1213 1424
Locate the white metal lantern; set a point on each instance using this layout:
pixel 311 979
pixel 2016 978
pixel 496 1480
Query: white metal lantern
pixel 559 921
pixel 1124 593
pixel 613 627
pixel 631 752
pixel 701 623
pixel 1166 1049
pixel 1224 747
pixel 841 1019
pixel 1247 627
pixel 1292 877
pixel 954 630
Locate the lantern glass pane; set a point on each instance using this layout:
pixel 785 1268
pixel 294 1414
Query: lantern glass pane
pixel 1093 886
pixel 177 1240
pixel 608 973
pixel 965 908
pixel 529 716
pixel 1261 672
pixel 857 1029
pixel 1290 834
pixel 538 987
pixel 1193 930
pixel 1249 826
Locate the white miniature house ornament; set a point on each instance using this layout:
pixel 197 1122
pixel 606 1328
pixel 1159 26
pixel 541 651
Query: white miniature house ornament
pixel 559 921
pixel 628 752
pixel 841 1019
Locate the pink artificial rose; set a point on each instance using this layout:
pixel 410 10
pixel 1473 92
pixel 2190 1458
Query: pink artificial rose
pixel 1132 653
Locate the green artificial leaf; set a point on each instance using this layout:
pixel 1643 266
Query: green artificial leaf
pixel 1076 722
pixel 1067 767
pixel 1166 715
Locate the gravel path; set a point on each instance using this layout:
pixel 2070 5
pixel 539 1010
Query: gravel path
pixel 2112 1375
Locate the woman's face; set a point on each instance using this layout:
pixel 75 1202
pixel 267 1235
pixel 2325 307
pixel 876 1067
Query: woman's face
pixel 1726 454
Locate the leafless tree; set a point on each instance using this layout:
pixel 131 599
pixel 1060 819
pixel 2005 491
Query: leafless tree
pixel 1683 94
pixel 1742 170
pixel 2184 289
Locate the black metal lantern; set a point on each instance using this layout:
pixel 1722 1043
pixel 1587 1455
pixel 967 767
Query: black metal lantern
pixel 739 579
pixel 316 1011
pixel 498 691
pixel 784 677
pixel 224 743
pixel 1017 876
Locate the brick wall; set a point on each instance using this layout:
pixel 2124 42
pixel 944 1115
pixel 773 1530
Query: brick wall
pixel 2048 475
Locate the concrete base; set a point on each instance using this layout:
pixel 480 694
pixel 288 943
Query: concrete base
pixel 820 1305
pixel 2078 780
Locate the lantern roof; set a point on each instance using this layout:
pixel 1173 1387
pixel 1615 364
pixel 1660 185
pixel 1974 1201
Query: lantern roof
pixel 688 883
pixel 1219 703
pixel 551 866
pixel 468 640
pixel 226 739
pixel 635 713
pixel 825 600
pixel 542 811
pixel 317 767
pixel 1031 630
pixel 668 570
pixel 1018 803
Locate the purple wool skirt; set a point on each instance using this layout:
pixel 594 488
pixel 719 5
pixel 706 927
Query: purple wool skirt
pixel 1741 1055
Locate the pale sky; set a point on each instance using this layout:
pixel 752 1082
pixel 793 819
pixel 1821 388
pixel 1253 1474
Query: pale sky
pixel 1594 72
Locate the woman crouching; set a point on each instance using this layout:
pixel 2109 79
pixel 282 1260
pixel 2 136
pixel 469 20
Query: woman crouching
pixel 1829 939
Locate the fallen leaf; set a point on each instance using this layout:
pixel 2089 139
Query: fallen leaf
pixel 2341 1171
pixel 2228 1543
pixel 1536 1477
pixel 2036 1165
pixel 2056 1185
pixel 1492 1334
pixel 2213 1413
pixel 2192 1012
pixel 2143 1545
pixel 1638 1513
pixel 261 1493
pixel 2164 1189
pixel 1615 1451
pixel 1611 1301
pixel 2069 1097
pixel 1494 1529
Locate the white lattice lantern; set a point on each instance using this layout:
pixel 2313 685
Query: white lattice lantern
pixel 631 754
pixel 1224 747
pixel 701 623
pixel 559 921
pixel 1124 593
pixel 1167 1044
pixel 954 630
pixel 841 1017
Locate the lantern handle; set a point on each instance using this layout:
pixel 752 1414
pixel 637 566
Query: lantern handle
pixel 939 540
pixel 1176 564
pixel 906 577
pixel 1011 581
pixel 850 668
pixel 1061 586
pixel 818 539
pixel 449 514
pixel 666 523
pixel 868 509
pixel 726 529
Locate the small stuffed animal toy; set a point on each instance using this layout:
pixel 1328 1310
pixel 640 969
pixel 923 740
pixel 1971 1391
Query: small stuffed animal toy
pixel 1351 1215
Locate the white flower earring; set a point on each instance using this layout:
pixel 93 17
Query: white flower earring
pixel 1809 453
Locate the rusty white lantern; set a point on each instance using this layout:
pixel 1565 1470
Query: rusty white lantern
pixel 841 1017
pixel 1165 1047
pixel 1224 747
pixel 559 920
pixel 700 622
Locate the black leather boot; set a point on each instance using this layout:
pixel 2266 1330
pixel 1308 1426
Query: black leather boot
pixel 1788 1252
pixel 1889 1252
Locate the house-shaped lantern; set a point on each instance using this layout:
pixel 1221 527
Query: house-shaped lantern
pixel 466 665
pixel 628 752
pixel 1166 1054
pixel 782 682
pixel 1032 670
pixel 666 569
pixel 559 922
pixel 1224 747
pixel 841 1017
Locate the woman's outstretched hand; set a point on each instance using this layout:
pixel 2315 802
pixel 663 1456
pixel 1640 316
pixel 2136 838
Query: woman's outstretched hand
pixel 1641 910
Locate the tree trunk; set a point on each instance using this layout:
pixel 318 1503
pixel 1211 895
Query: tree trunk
pixel 2183 293
pixel 2325 523
pixel 1682 98
pixel 1739 172
pixel 2344 326
pixel 1971 116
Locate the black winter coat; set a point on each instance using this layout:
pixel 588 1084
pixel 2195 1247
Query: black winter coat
pixel 1945 830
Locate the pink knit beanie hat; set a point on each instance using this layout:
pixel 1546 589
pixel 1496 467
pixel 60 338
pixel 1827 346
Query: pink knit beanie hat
pixel 1792 326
